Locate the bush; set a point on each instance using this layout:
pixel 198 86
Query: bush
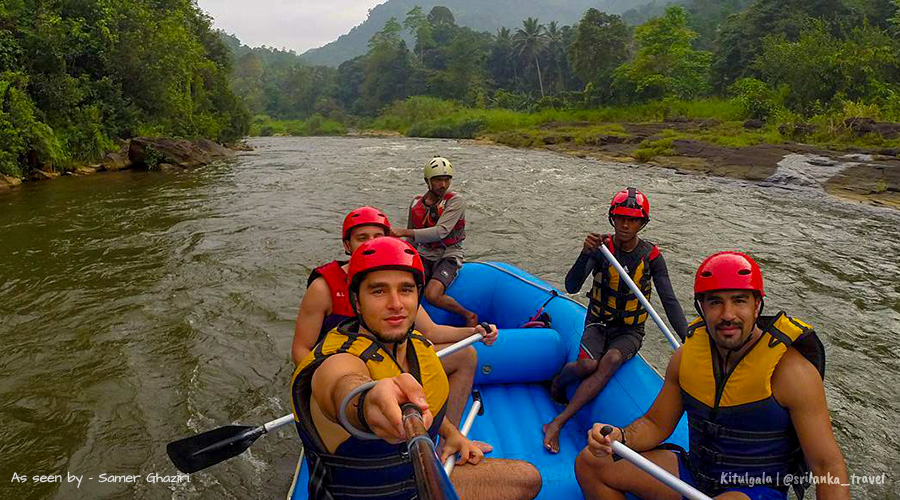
pixel 401 115
pixel 754 97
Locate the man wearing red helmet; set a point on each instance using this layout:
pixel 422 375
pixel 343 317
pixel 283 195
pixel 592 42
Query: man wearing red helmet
pixel 326 304
pixel 614 325
pixel 437 227
pixel 381 344
pixel 752 389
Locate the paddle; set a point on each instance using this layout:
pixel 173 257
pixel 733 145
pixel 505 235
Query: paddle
pixel 477 409
pixel 654 470
pixel 432 482
pixel 196 453
pixel 640 296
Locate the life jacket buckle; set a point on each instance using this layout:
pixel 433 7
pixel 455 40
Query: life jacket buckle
pixel 713 456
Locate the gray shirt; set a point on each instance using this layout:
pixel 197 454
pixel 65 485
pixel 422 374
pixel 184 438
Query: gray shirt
pixel 454 210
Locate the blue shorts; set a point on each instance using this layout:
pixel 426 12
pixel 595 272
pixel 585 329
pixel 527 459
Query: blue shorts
pixel 755 493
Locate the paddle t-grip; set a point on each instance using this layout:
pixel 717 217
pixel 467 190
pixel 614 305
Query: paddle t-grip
pixel 606 430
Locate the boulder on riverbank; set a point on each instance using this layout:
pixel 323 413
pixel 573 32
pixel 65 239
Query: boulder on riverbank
pixel 116 161
pixel 149 152
pixel 7 182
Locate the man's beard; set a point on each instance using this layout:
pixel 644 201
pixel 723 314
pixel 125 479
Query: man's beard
pixel 391 338
pixel 731 343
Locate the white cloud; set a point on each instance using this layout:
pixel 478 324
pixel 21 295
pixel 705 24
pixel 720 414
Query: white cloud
pixel 295 25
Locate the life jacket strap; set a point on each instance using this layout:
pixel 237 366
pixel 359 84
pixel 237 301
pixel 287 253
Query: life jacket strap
pixel 718 458
pixel 714 430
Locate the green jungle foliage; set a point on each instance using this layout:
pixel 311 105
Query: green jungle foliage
pixel 78 74
pixel 75 75
pixel 424 75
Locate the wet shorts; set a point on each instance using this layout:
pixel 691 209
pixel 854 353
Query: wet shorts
pixel 599 338
pixel 755 493
pixel 444 270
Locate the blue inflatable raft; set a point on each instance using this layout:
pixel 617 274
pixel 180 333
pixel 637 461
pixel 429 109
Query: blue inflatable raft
pixel 512 375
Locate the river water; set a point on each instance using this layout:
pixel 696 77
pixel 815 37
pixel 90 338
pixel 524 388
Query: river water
pixel 137 308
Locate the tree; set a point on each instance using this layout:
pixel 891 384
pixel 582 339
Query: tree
pixel 530 41
pixel 440 15
pixel 740 37
pixel 821 69
pixel 666 64
pixel 601 45
pixel 417 24
pixel 387 69
pixel 500 61
pixel 556 55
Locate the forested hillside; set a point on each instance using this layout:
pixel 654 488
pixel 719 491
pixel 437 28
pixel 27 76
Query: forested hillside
pixel 787 57
pixel 77 74
pixel 475 14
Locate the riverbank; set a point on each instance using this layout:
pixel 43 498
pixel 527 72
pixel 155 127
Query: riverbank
pixel 141 152
pixel 857 172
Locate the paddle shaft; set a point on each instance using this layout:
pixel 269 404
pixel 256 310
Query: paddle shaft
pixel 464 430
pixel 640 296
pixel 654 470
pixel 432 483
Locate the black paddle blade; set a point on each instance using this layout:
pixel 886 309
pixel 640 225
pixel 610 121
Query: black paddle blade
pixel 203 450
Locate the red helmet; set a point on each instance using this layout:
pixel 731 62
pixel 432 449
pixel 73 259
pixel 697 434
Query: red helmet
pixel 384 253
pixel 365 216
pixel 630 203
pixel 728 271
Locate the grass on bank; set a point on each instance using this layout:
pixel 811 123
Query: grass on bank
pixel 712 120
pixel 721 122
pixel 266 126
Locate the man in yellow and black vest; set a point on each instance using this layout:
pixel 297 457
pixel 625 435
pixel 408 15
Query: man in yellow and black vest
pixel 326 304
pixel 752 389
pixel 381 344
pixel 614 324
pixel 437 228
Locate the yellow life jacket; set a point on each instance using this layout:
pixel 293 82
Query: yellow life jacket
pixel 342 475
pixel 611 300
pixel 736 427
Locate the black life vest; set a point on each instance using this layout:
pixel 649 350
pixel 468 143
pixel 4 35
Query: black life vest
pixel 336 278
pixel 736 426
pixel 360 468
pixel 424 216
pixel 611 300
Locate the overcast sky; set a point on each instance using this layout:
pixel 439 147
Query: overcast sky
pixel 292 24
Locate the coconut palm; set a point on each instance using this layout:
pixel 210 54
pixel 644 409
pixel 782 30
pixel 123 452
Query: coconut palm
pixel 556 50
pixel 530 42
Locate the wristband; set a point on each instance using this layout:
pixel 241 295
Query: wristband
pixel 361 412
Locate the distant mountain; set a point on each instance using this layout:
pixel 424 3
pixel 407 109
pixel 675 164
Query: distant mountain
pixel 481 15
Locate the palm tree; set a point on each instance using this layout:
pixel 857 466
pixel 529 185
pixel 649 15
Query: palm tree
pixel 556 49
pixel 530 43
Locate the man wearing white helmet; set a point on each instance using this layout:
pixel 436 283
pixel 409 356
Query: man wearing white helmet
pixel 437 228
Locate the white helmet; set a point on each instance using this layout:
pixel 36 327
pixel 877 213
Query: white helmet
pixel 437 167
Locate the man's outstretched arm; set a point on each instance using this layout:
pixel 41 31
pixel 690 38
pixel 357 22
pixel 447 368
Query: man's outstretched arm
pixel 338 375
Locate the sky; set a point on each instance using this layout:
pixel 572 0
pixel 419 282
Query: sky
pixel 295 25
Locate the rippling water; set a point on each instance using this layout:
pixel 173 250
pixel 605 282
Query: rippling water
pixel 137 308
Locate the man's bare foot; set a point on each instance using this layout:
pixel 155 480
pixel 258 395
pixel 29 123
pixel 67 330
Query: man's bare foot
pixel 551 437
pixel 471 320
pixel 558 392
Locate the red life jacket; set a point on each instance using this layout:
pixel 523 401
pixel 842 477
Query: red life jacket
pixel 424 216
pixel 336 279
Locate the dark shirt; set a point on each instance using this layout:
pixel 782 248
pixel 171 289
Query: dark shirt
pixel 591 264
